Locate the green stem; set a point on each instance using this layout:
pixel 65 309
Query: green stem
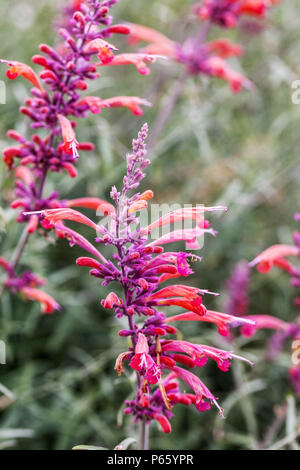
pixel 144 436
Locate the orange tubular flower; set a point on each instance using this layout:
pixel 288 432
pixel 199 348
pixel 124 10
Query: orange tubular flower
pixel 70 143
pixel 274 256
pixel 48 304
pixel 18 68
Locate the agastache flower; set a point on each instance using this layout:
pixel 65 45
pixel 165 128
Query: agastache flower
pixel 158 42
pixel 273 256
pixel 143 361
pixel 18 68
pixel 223 321
pixel 103 48
pixel 48 304
pixel 55 98
pixel 265 261
pixel 226 13
pixel 70 143
pixel 96 104
pixel 140 269
pixel 198 57
pixel 139 60
pixel 26 285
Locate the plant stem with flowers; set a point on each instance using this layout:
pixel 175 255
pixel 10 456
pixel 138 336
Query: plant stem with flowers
pixel 198 56
pixel 140 268
pixel 65 74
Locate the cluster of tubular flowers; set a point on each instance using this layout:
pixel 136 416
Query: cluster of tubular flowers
pixel 26 285
pixel 56 98
pixel 226 13
pixel 141 267
pixel 199 56
pixel 238 303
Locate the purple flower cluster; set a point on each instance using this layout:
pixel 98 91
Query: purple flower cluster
pixel 55 100
pixel 237 288
pixel 140 267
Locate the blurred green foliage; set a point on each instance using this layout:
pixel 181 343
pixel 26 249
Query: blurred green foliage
pixel 58 386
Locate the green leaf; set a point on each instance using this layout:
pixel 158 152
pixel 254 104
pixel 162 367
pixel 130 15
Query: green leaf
pixel 125 444
pixel 83 447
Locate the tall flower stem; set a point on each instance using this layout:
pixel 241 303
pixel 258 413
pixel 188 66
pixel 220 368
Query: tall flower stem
pixel 166 111
pixel 20 247
pixel 144 436
pixel 25 234
pixel 177 90
pixel 60 105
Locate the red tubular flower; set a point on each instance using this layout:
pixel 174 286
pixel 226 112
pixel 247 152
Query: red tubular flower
pixel 164 422
pixel 223 321
pixel 143 361
pixel 111 300
pixel 263 322
pixel 253 7
pixel 199 353
pixel 195 305
pixel 70 143
pixel 188 292
pixel 133 103
pixel 32 224
pixel 171 264
pixel 140 61
pixel 273 256
pixel 189 213
pixel 48 304
pixel 94 103
pixel 201 391
pixel 104 49
pixel 158 43
pixel 53 216
pixel 94 203
pixel 225 48
pixel 90 262
pixel 18 68
pixel 9 154
pixel 188 235
pixel 140 33
pixel 219 68
pixel 75 238
pixel 23 173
